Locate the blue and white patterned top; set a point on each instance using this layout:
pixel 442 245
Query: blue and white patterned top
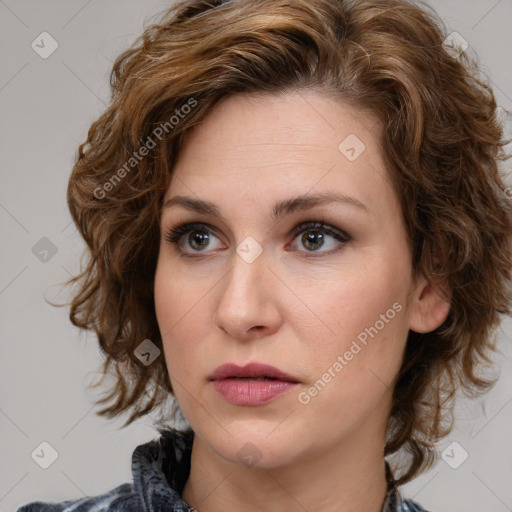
pixel 160 470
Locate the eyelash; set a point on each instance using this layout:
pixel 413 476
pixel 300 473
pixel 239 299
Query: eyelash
pixel 174 235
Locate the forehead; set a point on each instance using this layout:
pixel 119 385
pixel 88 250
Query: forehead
pixel 265 147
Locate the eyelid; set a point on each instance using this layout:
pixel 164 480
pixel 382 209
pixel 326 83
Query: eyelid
pixel 173 235
pixel 320 225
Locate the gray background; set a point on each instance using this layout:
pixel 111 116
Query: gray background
pixel 46 107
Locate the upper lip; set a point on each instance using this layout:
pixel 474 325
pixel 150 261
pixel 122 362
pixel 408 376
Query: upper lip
pixel 228 370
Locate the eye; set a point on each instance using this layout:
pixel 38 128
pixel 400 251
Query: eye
pixel 317 235
pixel 198 239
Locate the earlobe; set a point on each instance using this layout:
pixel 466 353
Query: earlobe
pixel 430 305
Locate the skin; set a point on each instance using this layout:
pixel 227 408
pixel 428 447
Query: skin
pixel 286 309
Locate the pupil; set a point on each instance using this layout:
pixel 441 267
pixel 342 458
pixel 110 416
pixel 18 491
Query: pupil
pixel 315 239
pixel 198 240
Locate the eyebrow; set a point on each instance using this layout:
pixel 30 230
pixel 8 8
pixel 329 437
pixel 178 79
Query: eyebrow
pixel 281 208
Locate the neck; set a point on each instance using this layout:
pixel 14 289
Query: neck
pixel 349 478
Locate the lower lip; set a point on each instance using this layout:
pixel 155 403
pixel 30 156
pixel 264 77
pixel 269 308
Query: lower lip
pixel 251 392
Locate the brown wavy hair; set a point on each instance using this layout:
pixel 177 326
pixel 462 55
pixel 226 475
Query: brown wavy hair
pixel 442 143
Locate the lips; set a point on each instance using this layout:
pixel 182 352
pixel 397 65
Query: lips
pixel 251 371
pixel 253 385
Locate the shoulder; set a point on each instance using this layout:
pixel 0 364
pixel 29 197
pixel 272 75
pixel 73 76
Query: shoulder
pixel 410 506
pixel 122 498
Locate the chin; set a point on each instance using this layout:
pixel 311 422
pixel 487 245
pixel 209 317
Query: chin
pixel 250 445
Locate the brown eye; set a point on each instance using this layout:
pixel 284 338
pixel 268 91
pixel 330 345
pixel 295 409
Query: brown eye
pixel 316 235
pixel 198 240
pixel 312 240
pixel 193 238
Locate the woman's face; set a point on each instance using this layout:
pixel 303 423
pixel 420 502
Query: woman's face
pixel 252 281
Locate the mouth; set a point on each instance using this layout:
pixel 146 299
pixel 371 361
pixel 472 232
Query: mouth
pixel 252 378
pixel 251 372
pixel 252 385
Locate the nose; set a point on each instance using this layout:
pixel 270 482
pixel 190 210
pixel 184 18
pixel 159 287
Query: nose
pixel 248 302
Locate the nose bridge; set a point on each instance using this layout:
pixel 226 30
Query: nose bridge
pixel 245 280
pixel 245 301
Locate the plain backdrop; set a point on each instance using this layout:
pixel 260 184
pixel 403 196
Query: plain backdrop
pixel 46 107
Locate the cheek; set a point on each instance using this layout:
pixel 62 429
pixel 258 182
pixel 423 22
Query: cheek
pixel 183 314
pixel 364 322
pixel 355 300
pixel 175 296
pixel 171 305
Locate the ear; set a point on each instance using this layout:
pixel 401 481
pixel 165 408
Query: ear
pixel 429 306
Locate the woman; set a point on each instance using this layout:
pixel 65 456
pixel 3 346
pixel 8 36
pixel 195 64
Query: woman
pixel 296 227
